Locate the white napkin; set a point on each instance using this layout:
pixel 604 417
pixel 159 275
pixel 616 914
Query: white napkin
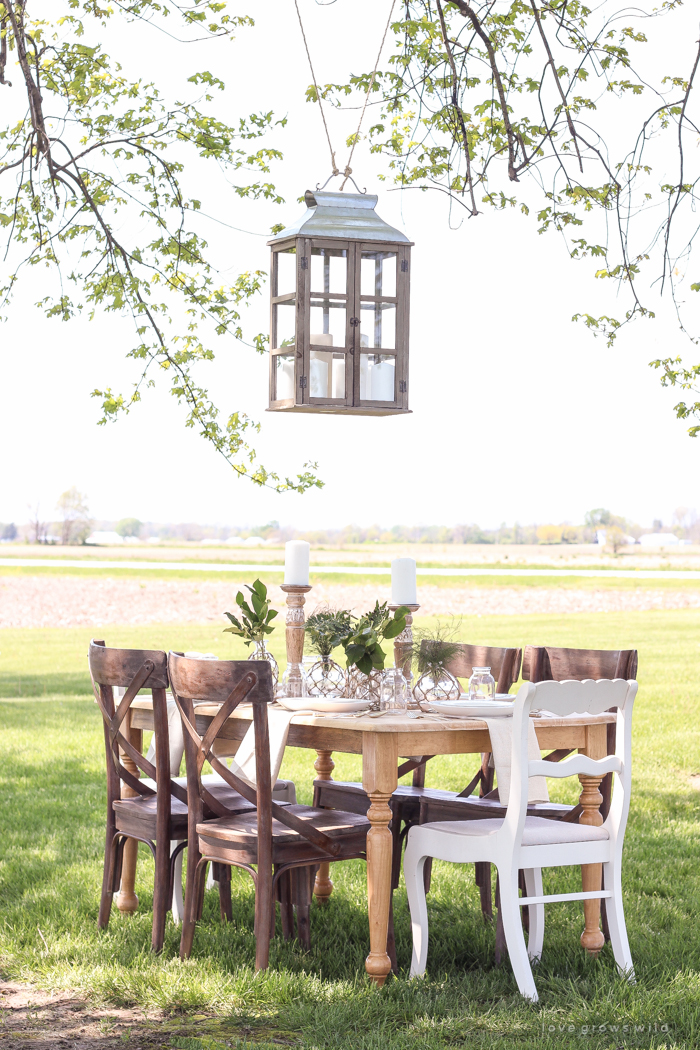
pixel 501 733
pixel 243 764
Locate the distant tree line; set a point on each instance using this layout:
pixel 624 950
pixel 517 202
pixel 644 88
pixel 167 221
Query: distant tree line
pixel 75 527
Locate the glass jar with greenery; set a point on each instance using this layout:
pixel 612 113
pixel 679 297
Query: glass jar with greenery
pixel 431 654
pixel 364 655
pixel 325 630
pixel 254 624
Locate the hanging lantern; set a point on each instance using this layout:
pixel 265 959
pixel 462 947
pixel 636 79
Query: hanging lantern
pixel 340 304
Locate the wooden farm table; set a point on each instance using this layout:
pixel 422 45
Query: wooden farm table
pixel 381 741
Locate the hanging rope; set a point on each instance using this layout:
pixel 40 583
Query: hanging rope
pixel 318 93
pixel 347 171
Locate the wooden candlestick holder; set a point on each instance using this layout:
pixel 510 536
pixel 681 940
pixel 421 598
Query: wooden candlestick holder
pixel 403 644
pixel 294 634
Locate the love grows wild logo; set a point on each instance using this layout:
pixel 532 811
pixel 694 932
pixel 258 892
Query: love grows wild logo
pixel 660 1027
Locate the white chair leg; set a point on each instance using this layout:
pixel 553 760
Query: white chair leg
pixel 413 863
pixel 211 881
pixel 533 886
pixel 178 905
pixel 513 931
pixel 616 921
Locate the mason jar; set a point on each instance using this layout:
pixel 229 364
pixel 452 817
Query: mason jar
pixel 482 685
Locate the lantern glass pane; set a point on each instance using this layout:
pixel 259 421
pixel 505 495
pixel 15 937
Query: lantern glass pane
pixel 378 325
pixel 378 273
pixel 284 377
pixel 329 270
pixel 377 377
pixel 286 271
pixel 327 322
pixel 285 317
pixel 327 374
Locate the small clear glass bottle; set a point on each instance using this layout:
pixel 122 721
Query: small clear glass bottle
pixel 393 692
pixel 482 685
pixel 293 681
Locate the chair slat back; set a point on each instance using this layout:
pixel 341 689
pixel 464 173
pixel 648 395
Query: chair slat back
pixel 504 663
pixel 566 698
pixel 230 683
pixel 132 670
pixel 545 663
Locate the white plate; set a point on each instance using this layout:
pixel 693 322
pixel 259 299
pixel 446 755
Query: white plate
pixel 321 704
pixel 473 708
pixel 498 696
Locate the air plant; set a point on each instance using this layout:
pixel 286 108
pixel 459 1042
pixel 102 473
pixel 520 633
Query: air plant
pixel 433 650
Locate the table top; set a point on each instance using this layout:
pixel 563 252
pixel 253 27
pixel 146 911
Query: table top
pixel 367 723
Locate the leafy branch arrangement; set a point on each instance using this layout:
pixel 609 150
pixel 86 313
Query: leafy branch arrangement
pixel 565 112
pixel 255 622
pixel 363 645
pixel 326 629
pixel 94 170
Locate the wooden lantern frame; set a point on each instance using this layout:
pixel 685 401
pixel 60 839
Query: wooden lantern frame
pixel 345 222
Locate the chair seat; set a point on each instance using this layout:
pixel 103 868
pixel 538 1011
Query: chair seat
pixel 539 831
pixel 235 837
pixel 138 815
pixel 441 805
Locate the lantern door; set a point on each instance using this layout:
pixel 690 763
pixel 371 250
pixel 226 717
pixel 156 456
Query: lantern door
pixel 339 326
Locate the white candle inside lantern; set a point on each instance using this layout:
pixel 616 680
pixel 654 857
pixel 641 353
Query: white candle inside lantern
pixel 403 582
pixel 296 563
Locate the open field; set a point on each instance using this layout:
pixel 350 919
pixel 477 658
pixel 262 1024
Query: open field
pixel 51 840
pixel 35 598
pixel 581 555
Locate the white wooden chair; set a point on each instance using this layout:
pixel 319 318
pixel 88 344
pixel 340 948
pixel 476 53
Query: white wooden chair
pixel 532 843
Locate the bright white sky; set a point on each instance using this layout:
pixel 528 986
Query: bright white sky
pixel 518 414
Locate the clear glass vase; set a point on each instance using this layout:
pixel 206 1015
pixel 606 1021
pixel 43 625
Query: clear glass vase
pixel 261 652
pixel 481 684
pixel 363 686
pixel 393 698
pixel 325 678
pixel 293 682
pixel 435 685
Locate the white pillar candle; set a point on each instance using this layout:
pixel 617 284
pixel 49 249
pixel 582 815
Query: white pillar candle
pixel 403 582
pixel 296 563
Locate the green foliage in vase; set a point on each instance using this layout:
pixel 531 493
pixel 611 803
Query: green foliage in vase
pixel 326 629
pixel 433 649
pixel 96 170
pixel 363 645
pixel 254 623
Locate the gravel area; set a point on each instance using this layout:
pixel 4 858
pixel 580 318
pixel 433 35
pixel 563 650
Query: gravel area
pixel 65 601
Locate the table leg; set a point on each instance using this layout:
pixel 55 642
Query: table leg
pixel 127 901
pixel 592 938
pixel 379 779
pixel 323 886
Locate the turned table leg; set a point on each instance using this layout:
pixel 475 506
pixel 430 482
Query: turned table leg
pixel 127 901
pixel 323 886
pixel 592 937
pixel 379 778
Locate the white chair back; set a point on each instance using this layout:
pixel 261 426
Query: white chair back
pixel 562 699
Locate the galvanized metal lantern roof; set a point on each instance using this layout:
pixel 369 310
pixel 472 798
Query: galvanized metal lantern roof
pixel 348 215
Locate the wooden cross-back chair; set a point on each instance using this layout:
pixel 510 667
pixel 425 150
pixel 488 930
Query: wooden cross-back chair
pixel 156 811
pixel 272 842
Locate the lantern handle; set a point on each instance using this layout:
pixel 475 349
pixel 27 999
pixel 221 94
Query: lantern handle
pixel 346 175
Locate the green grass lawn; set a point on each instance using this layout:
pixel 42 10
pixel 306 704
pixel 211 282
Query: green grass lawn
pixel 52 838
